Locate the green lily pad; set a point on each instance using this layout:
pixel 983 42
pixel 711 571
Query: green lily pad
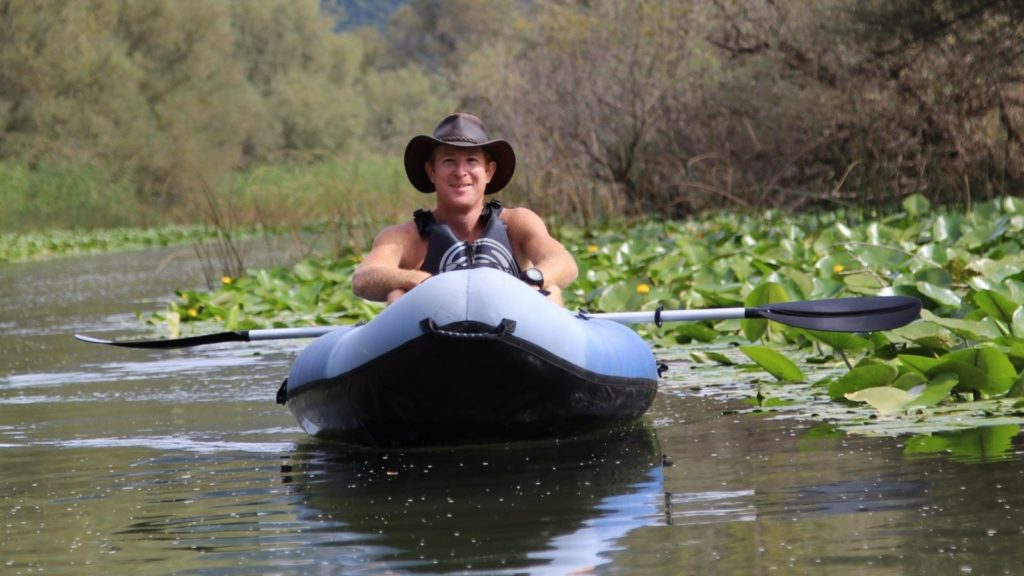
pixel 860 378
pixel 997 271
pixel 892 400
pixel 997 306
pixel 863 282
pixel 840 340
pixel 619 296
pixel 720 358
pixel 909 380
pixel 939 294
pixel 936 392
pixel 694 331
pixel 885 399
pixel 966 329
pixel 998 374
pixel 1017 322
pixel 920 363
pixel 765 293
pixel 774 363
pixel 916 205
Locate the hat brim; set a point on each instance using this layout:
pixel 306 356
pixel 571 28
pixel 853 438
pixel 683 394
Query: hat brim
pixel 419 149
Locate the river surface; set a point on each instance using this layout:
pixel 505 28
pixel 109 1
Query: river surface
pixel 179 462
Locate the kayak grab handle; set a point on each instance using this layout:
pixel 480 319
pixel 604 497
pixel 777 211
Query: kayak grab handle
pixel 469 329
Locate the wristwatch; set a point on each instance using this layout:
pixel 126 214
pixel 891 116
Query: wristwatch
pixel 533 276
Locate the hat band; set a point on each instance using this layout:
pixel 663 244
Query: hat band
pixel 466 139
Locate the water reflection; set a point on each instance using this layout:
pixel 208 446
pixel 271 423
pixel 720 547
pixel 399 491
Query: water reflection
pixel 852 496
pixel 969 445
pixel 555 507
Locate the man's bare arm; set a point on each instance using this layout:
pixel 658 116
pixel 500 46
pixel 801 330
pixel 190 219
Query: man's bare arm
pixel 540 249
pixel 380 276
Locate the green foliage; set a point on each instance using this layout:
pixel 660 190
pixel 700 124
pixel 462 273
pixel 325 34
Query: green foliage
pixel 774 363
pixel 667 108
pixel 396 105
pixel 862 378
pixel 32 246
pixel 765 293
pixel 442 35
pixel 892 400
pixel 956 359
pixel 313 292
pixel 64 197
pixel 169 98
pixel 319 199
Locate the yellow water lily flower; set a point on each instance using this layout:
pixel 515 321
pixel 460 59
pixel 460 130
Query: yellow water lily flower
pixel 193 312
pixel 226 280
pixel 838 268
pixel 643 289
pixel 592 248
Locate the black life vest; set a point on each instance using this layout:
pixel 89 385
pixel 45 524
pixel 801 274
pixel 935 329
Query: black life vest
pixel 447 252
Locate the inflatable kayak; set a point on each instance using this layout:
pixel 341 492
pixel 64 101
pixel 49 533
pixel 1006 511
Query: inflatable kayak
pixel 471 356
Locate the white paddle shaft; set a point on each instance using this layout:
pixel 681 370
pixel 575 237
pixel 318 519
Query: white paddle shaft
pixel 285 333
pixel 673 315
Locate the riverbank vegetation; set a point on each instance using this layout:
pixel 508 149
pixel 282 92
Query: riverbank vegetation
pixel 115 114
pixel 36 245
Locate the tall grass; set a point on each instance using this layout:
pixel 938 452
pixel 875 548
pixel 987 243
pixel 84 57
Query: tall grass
pixel 349 196
pixel 54 196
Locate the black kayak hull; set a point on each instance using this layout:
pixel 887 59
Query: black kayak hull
pixel 502 391
pixel 471 357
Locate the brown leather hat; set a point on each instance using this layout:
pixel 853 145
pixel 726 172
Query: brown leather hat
pixel 463 130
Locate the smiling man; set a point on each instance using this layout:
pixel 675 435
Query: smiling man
pixel 462 166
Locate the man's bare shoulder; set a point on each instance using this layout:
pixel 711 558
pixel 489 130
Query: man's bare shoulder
pixel 398 233
pixel 518 215
pixel 522 219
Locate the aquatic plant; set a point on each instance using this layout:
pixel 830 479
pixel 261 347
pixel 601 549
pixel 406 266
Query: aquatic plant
pixel 54 243
pixel 967 269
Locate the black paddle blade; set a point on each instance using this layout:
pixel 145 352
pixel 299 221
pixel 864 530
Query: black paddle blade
pixel 868 314
pixel 186 342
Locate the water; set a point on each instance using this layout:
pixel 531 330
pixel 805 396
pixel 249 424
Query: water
pixel 180 462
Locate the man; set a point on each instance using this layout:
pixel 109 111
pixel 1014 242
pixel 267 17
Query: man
pixel 462 166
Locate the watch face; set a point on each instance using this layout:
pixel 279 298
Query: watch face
pixel 534 275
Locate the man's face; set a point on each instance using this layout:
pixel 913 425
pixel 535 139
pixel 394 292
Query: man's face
pixel 460 175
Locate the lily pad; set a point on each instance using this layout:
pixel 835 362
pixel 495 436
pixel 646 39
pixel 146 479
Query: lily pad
pixel 997 306
pixel 967 329
pixel 885 399
pixel 774 363
pixel 765 293
pixel 860 378
pixel 891 400
pixel 840 340
pixel 940 295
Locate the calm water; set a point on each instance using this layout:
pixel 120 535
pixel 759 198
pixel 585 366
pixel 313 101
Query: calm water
pixel 180 462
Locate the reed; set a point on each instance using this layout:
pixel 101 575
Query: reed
pixel 59 196
pixel 350 193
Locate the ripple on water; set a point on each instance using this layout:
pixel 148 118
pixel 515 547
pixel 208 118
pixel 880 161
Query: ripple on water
pixel 182 442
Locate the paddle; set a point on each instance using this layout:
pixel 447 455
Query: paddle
pixel 869 314
pixel 238 336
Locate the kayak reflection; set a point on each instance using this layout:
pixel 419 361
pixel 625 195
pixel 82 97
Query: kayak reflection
pixel 557 506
